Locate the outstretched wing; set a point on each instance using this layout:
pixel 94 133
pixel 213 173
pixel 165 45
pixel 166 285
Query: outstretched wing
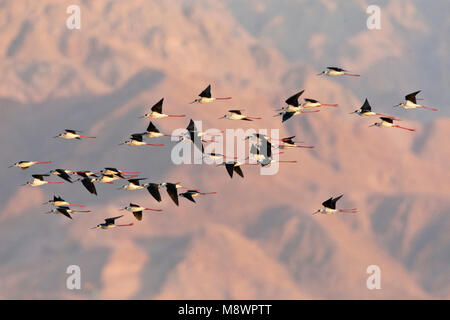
pixel 63 175
pixel 366 106
pixel 191 126
pixel 172 191
pixel 235 111
pixel 336 69
pixel 287 116
pixel 334 200
pixel 390 120
pixel 293 100
pixel 151 128
pixel 138 215
pixel 89 185
pixel 111 220
pixel 230 168
pixel 412 96
pixel 311 100
pixel 153 189
pixel 238 170
pixel 328 203
pixel 158 106
pixel 206 93
pixel 63 210
pixel 188 196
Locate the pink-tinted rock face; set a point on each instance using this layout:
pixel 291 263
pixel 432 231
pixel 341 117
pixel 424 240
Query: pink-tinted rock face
pixel 256 238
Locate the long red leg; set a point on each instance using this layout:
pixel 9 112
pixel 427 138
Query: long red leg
pixel 353 210
pixel 310 111
pixel 329 105
pixel 291 161
pixel 77 205
pixel 88 137
pixel 125 225
pixel 397 126
pixel 176 115
pixel 225 98
pixel 55 182
pixel 129 171
pixel 309 147
pixel 155 145
pixel 203 193
pixel 385 115
pixel 81 210
pixel 429 108
pixel 352 74
pixel 150 209
pixel 254 118
pixel 43 162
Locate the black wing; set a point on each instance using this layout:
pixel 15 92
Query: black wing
pixel 135 181
pixel 57 198
pixel 238 170
pixel 287 116
pixel 137 137
pixel 158 106
pixel 206 93
pixel 334 200
pixel 151 128
pixel 111 220
pixel 336 69
pixel 229 167
pixel 191 126
pixel 311 100
pixel 197 140
pixel 188 196
pixel 63 175
pixel 71 131
pixel 39 176
pixel 63 210
pixel 138 215
pixel 390 120
pixel 366 106
pixel 153 189
pixel 412 97
pixel 293 101
pixel 235 111
pixel 89 185
pixel 328 203
pixel 288 140
pixel 172 191
pixel 112 169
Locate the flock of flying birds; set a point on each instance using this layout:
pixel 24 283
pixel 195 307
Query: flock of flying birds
pixel 260 153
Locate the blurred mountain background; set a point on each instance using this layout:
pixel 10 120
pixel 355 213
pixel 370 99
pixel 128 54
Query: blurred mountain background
pixel 255 239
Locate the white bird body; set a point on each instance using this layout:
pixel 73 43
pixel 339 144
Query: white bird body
pixel 155 115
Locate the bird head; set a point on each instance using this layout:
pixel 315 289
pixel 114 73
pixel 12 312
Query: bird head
pixel 97 227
